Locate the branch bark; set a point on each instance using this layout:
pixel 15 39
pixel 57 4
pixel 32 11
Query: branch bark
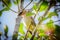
pixel 18 6
pixel 18 19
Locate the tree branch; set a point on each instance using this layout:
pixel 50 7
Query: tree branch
pixel 34 31
pixel 27 32
pixel 8 6
pixel 45 13
pixel 21 4
pixel 31 23
pixel 24 8
pixel 18 6
pixel 38 7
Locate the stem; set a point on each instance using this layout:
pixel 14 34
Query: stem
pixel 38 7
pixel 34 32
pixel 29 27
pixel 46 12
pixel 18 6
pixel 27 32
pixel 21 4
pixel 8 6
pixel 33 35
pixel 24 8
pixel 28 4
pixel 19 19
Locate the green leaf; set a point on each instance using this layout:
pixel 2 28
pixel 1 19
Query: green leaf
pixel 6 29
pixel 0 13
pixel 0 33
pixel 52 14
pixel 29 14
pixel 42 18
pixel 4 9
pixel 35 38
pixel 50 24
pixel 21 38
pixel 29 35
pixel 21 28
pixel 16 2
pixel 42 34
pixel 14 37
pixel 44 6
pixel 57 30
pixel 41 31
pixel 8 2
pixel 39 18
pixel 35 7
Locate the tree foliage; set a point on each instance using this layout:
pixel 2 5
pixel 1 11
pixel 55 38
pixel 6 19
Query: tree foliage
pixel 34 31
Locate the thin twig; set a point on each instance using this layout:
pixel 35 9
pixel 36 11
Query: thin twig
pixel 45 13
pixel 24 8
pixel 38 8
pixel 8 6
pixel 28 4
pixel 31 22
pixel 34 31
pixel 27 32
pixel 29 28
pixel 41 21
pixel 18 6
pixel 53 22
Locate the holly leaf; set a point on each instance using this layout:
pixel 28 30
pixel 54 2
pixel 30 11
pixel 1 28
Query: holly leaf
pixel 43 6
